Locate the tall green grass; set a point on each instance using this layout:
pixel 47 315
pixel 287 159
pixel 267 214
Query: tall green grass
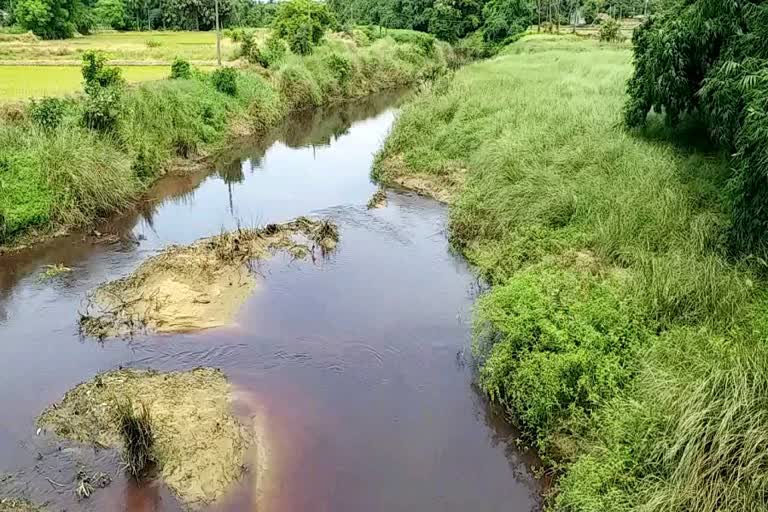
pixel 616 331
pixel 70 176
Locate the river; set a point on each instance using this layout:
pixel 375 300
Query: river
pixel 360 363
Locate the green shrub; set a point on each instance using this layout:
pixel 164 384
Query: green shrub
pixel 235 34
pixel 48 112
pixel 708 59
pixel 299 88
pixel 610 31
pixel 555 344
pixel 425 42
pixel 153 43
pixel 181 69
pixel 225 80
pixel 101 109
pixel 275 52
pixel 340 66
pixel 97 74
pixel 249 50
pixel 104 92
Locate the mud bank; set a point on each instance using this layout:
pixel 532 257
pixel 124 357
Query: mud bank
pixel 392 171
pixel 200 447
pixel 200 286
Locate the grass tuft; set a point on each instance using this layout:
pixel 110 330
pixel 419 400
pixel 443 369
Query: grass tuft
pixel 135 427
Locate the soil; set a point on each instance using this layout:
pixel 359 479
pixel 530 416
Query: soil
pixel 200 447
pixel 200 286
pixel 443 187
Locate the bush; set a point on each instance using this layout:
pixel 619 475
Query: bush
pixel 275 52
pixel 248 48
pixel 425 42
pixel 96 72
pixel 48 112
pixel 104 91
pixel 610 31
pixel 555 344
pixel 153 43
pixel 181 69
pixel 225 80
pixel 101 109
pixel 340 66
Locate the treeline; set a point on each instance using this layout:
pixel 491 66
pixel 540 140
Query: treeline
pixel 707 61
pixel 61 19
pixel 494 21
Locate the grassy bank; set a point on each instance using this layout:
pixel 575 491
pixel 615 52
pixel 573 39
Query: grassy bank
pixel 70 175
pixel 616 331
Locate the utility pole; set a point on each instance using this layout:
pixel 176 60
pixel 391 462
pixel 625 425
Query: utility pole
pixel 218 35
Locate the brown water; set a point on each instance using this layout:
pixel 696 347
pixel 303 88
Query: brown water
pixel 359 364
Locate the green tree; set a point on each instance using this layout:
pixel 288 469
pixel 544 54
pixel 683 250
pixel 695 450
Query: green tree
pixel 302 23
pixel 708 59
pixel 505 18
pixel 49 19
pixel 111 13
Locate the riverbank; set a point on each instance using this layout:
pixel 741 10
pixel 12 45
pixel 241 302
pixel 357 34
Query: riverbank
pixel 617 332
pixel 55 178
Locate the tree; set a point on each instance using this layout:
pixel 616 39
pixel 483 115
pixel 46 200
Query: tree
pixel 302 23
pixel 709 59
pixel 49 19
pixel 505 18
pixel 111 13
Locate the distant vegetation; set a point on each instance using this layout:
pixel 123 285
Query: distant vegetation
pixel 489 21
pixel 620 331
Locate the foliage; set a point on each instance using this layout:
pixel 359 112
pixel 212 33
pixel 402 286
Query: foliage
pixel 589 10
pixel 248 47
pixel 505 19
pixel 708 58
pixel 48 112
pixel 340 66
pixel 562 344
pixel 110 13
pixel 225 80
pixel 425 42
pixel 103 86
pixel 302 23
pixel 610 31
pixel 49 19
pixel 274 53
pixel 181 69
pixel 97 74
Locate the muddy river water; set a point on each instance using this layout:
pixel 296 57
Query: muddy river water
pixel 359 363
